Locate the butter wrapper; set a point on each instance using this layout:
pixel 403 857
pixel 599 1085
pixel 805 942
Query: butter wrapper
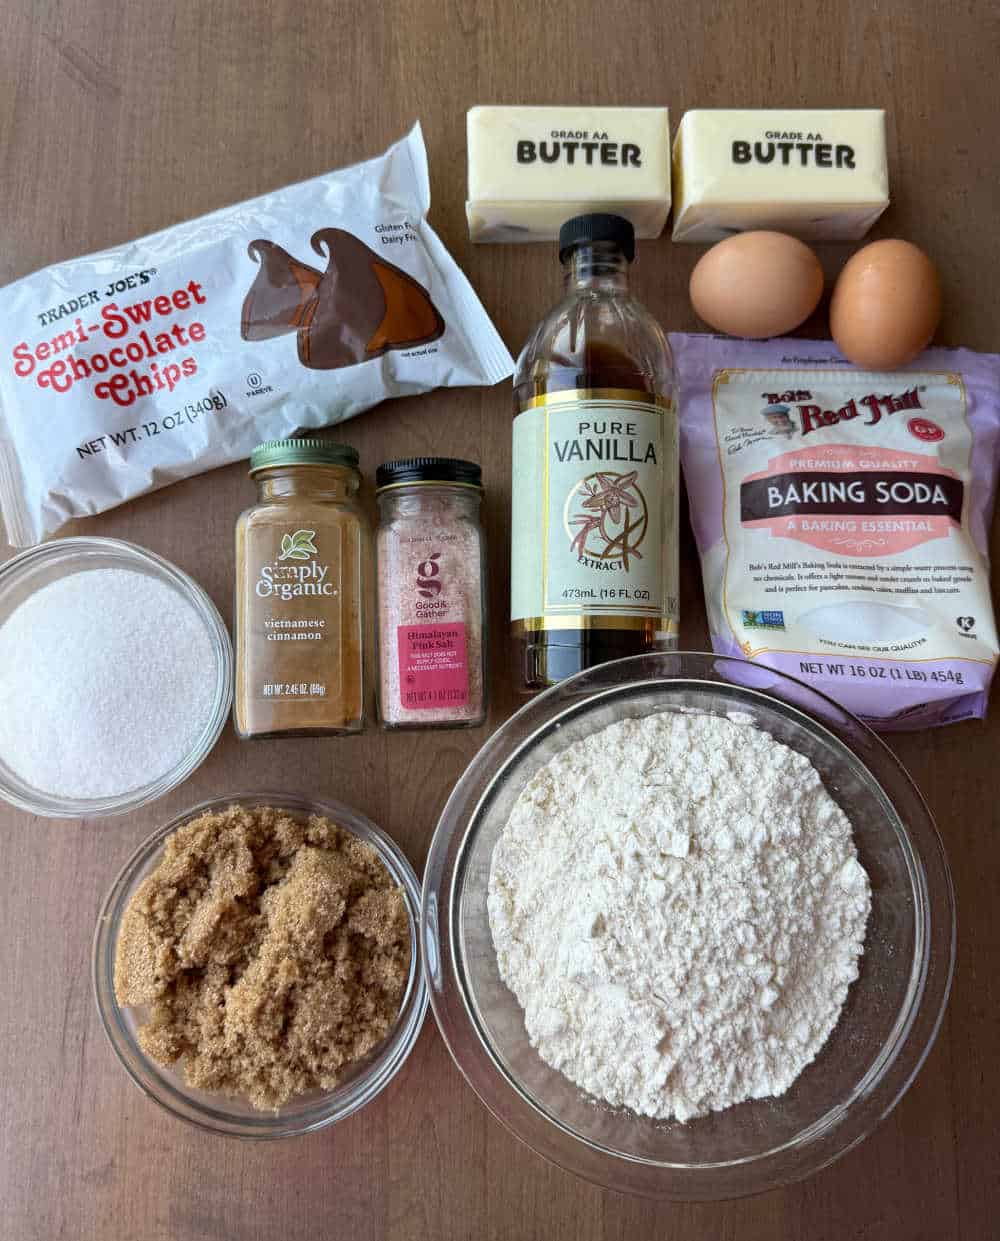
pixel 533 168
pixel 819 174
pixel 123 371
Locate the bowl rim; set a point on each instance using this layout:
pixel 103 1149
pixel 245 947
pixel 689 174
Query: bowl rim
pixel 317 1113
pixel 49 805
pixel 886 1079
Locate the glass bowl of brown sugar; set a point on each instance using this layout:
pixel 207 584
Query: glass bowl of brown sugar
pixel 256 964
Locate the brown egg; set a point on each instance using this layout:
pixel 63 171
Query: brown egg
pixel 756 284
pixel 886 305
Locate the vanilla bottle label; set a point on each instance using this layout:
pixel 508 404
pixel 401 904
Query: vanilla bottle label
pixel 593 518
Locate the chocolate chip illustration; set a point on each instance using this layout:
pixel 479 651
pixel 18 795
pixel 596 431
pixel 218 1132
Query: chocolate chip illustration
pixel 280 295
pixel 363 307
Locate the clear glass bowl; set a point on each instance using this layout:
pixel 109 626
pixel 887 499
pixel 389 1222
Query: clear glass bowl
pixel 228 1115
pixel 23 575
pixel 892 1013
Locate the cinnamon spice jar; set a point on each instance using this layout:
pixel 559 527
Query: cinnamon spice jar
pixel 302 553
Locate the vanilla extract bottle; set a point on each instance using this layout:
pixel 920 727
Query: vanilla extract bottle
pixel 594 489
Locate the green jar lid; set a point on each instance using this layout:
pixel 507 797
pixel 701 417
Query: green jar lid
pixel 302 452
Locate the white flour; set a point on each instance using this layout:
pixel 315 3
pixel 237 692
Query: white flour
pixel 677 903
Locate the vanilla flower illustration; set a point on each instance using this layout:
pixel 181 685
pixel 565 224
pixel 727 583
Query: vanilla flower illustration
pixel 609 497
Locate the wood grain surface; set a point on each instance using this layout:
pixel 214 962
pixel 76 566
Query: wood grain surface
pixel 118 118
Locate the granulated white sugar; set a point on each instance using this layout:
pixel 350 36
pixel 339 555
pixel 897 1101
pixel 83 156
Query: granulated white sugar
pixel 107 678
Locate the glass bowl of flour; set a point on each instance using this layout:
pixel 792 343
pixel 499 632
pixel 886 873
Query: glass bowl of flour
pixel 688 927
pixel 115 677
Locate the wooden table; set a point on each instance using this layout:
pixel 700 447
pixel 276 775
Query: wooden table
pixel 122 117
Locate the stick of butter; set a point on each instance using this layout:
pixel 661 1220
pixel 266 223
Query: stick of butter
pixel 532 169
pixel 818 174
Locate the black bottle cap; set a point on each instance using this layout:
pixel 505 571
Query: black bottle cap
pixel 428 470
pixel 582 230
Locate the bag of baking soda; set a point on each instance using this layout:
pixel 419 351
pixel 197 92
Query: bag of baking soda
pixel 126 370
pixel 842 519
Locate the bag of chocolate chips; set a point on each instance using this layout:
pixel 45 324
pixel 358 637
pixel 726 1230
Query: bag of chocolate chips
pixel 126 370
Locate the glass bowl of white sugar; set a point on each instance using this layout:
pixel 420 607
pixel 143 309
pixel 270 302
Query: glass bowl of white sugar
pixel 688 927
pixel 115 677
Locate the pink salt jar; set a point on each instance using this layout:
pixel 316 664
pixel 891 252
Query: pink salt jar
pixel 431 594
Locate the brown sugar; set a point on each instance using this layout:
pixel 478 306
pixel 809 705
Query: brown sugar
pixel 272 953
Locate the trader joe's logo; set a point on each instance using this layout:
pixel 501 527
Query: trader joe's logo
pixel 606 519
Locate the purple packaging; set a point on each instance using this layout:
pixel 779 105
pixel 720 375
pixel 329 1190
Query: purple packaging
pixel 842 519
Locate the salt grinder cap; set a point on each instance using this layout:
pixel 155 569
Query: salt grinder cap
pixel 415 470
pixel 302 452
